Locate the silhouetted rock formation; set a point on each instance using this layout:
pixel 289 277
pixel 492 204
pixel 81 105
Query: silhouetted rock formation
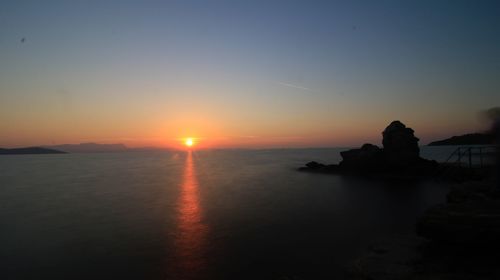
pixel 365 158
pixel 466 139
pixel 320 168
pixel 400 156
pixel 400 145
pixel 29 150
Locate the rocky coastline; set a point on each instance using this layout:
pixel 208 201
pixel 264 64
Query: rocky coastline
pixel 454 240
pixel 399 157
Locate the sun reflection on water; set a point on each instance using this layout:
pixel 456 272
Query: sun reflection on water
pixel 190 241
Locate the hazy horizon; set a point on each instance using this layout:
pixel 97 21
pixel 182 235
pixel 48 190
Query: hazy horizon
pixel 265 74
pixel 182 148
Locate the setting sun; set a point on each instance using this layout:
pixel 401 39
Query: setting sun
pixel 189 142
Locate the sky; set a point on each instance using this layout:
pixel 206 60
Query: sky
pixel 244 74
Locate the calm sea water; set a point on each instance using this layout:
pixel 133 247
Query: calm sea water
pixel 200 215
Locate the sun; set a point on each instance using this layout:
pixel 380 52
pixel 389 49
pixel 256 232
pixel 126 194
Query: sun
pixel 189 142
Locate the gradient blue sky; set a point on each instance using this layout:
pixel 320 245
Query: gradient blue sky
pixel 244 73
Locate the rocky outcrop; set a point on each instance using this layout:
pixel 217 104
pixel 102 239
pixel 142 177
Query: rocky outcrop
pixel 313 166
pixel 365 158
pixel 470 217
pixel 400 156
pixel 400 144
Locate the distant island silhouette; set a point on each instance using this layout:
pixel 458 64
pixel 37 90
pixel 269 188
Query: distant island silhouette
pixel 90 148
pixel 79 148
pixel 466 139
pixel 29 150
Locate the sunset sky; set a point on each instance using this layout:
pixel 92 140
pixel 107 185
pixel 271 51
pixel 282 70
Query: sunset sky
pixel 246 74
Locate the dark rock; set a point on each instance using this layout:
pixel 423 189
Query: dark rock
pixel 471 222
pixel 471 191
pixel 367 157
pixel 393 258
pixel 471 216
pixel 320 168
pixel 400 144
pixel 314 165
pixel 398 159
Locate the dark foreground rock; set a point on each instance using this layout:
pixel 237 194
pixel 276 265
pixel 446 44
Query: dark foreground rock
pixel 390 258
pixel 468 223
pixel 471 217
pixel 411 257
pixel 457 240
pixel 400 156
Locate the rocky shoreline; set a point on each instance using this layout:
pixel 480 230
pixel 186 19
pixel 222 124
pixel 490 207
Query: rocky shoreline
pixel 454 240
pixel 399 157
pixel 458 239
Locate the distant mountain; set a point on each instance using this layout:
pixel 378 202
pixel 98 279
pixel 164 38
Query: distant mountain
pixel 90 148
pixel 29 150
pixel 467 139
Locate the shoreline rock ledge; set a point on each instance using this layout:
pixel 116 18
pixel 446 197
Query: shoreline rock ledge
pixel 399 157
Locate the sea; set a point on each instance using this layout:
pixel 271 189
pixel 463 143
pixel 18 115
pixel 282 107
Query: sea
pixel 218 214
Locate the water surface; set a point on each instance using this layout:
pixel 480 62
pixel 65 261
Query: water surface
pixel 243 214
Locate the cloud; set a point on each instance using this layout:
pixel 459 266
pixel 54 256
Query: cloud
pixel 293 86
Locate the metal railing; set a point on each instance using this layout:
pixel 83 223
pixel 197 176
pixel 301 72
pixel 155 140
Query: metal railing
pixel 466 155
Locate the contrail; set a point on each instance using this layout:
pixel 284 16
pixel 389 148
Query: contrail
pixel 293 86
